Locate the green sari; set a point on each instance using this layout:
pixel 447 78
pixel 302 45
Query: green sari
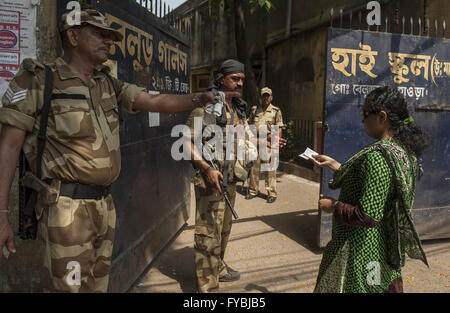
pixel 380 180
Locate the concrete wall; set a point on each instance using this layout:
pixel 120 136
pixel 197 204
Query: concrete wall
pixel 214 38
pixel 296 71
pixel 440 10
pixel 291 60
pixel 48 41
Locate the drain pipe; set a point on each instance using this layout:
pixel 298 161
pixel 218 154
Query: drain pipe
pixel 264 68
pixel 288 19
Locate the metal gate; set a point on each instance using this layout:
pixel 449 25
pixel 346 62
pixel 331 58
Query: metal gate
pixel 152 194
pixel 358 62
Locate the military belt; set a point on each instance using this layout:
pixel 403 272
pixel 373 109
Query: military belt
pixel 81 191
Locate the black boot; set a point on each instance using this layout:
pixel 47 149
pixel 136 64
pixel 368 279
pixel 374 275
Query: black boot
pixel 271 199
pixel 231 275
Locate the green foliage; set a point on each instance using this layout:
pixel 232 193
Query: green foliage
pixel 216 5
pixel 287 153
pixel 288 133
pixel 255 4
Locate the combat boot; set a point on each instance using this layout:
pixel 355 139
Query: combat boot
pixel 230 276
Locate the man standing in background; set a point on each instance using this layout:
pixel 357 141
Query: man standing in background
pixel 213 219
pixel 267 114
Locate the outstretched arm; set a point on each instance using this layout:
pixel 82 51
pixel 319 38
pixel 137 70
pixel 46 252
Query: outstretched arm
pixel 167 103
pixel 326 161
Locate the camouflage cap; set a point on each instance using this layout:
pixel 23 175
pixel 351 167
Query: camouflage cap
pixel 266 90
pixel 92 17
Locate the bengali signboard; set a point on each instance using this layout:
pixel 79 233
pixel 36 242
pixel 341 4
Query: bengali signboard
pixel 418 66
pixel 152 194
pixel 360 61
pixel 150 52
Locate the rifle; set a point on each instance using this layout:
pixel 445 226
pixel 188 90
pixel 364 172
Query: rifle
pixel 223 188
pixel 27 196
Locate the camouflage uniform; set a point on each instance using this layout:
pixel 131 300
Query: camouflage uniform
pixel 271 116
pixel 213 219
pixel 82 146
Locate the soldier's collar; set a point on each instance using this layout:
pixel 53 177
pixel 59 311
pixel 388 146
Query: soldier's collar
pixel 269 108
pixel 63 69
pixel 100 70
pixel 65 72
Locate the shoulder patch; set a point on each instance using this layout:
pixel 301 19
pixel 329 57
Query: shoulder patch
pixel 14 97
pixel 275 108
pixel 31 65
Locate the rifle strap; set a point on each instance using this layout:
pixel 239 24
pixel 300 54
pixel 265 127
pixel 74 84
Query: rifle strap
pixel 42 137
pixel 108 76
pixel 111 81
pixel 227 161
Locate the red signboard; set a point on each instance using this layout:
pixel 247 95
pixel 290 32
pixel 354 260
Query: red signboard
pixel 9 44
pixel 9 30
pixel 8 39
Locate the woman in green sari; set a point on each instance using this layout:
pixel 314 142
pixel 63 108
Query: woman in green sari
pixel 372 223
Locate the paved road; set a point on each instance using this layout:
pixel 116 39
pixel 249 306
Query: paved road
pixel 274 247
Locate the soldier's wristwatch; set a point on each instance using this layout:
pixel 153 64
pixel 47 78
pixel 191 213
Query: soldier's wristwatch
pixel 196 99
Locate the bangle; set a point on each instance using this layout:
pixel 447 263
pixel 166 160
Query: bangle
pixel 334 203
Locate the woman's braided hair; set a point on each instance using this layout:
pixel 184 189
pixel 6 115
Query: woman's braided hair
pixel 392 101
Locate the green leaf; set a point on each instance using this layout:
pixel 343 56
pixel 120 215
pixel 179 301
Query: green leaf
pixel 256 4
pixel 214 5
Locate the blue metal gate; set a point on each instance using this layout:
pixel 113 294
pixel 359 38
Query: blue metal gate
pixel 359 61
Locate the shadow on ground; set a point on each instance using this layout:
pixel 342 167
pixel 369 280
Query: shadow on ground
pixel 177 265
pixel 300 226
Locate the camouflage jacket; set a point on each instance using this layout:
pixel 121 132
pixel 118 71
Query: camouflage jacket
pixel 83 126
pixel 199 132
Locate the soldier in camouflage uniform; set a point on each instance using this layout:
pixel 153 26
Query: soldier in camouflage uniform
pixel 213 216
pixel 82 152
pixel 266 114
